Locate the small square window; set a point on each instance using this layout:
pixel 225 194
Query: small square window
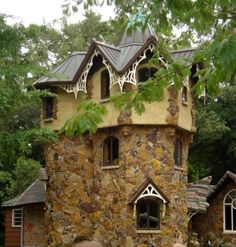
pixel 17 217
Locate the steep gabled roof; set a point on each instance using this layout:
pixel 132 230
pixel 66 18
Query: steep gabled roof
pixel 35 193
pixel 119 57
pixel 137 36
pixel 227 178
pixel 65 72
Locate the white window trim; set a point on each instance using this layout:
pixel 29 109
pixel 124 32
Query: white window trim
pixel 13 217
pixel 224 230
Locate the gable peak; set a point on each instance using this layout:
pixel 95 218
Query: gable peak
pixel 137 36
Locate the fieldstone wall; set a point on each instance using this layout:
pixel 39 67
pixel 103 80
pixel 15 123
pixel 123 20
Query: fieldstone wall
pixel 34 226
pixel 210 225
pixel 86 201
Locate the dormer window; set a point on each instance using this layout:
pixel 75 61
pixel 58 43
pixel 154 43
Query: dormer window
pixel 178 153
pixel 184 94
pixel 48 107
pixel 105 84
pixel 146 73
pixel 111 151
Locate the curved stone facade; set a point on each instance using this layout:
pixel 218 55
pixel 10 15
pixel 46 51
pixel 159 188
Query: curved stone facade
pixel 87 201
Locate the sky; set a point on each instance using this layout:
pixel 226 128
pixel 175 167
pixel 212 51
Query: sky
pixel 43 11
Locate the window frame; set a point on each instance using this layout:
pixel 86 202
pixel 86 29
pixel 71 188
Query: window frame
pixel 108 146
pixel 178 153
pixel 14 217
pixel 48 103
pixel 232 211
pixel 184 94
pixel 105 85
pixel 148 201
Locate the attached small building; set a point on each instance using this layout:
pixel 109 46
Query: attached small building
pixel 219 221
pixel 24 217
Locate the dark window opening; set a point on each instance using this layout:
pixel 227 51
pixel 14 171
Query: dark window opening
pixel 110 151
pixel 146 73
pixel 184 94
pixel 148 214
pixel 48 107
pixel 178 153
pixel 105 84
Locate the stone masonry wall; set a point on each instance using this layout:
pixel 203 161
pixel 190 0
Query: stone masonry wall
pixel 34 226
pixel 88 201
pixel 210 225
pixel 69 213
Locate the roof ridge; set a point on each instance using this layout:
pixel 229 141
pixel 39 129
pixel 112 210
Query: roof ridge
pixel 184 49
pixel 107 45
pixel 24 192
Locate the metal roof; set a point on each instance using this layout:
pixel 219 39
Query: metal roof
pixel 65 72
pixel 35 193
pixel 137 36
pixel 119 57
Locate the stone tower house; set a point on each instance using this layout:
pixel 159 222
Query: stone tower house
pixel 126 184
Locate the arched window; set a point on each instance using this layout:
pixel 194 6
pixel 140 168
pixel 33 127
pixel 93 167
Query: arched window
pixel 230 211
pixel 111 151
pixel 148 213
pixel 105 84
pixel 145 73
pixel 178 153
pixel 184 94
pixel 48 107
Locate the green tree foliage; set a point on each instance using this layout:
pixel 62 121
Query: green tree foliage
pixel 214 147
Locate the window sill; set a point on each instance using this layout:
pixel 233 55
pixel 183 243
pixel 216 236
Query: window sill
pixel 110 167
pixel 16 226
pixel 179 168
pixel 104 100
pixel 148 231
pixel 46 120
pixel 229 232
pixel 184 103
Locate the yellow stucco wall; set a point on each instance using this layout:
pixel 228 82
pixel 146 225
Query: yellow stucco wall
pixel 155 113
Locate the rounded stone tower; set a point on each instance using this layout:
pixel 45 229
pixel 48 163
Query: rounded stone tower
pixel 125 185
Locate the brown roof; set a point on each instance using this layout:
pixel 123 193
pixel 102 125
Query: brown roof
pixel 35 193
pixel 119 57
pixel 197 195
pixel 228 177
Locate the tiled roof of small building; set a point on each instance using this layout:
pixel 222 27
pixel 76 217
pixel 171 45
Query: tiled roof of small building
pixel 119 57
pixel 35 193
pixel 197 195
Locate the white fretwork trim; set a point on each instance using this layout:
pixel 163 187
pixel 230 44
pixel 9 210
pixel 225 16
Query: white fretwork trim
pixel 150 191
pixel 130 75
pixel 191 214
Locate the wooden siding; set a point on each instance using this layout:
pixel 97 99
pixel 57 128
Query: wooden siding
pixel 12 234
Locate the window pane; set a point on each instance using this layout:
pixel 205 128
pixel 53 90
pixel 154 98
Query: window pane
pixel 234 219
pixel 228 199
pixel 153 215
pixel 228 220
pixel 48 107
pixel 233 194
pixel 17 217
pixel 105 84
pixel 142 215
